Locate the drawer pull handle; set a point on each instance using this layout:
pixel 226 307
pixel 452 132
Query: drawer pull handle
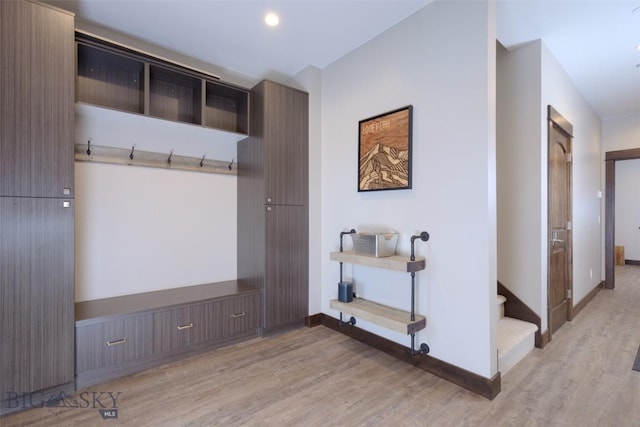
pixel 234 316
pixel 182 327
pixel 116 342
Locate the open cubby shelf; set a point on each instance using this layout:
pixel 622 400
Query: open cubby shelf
pixel 110 80
pixel 112 76
pixel 174 96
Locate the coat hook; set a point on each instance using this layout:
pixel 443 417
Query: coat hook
pixel 169 158
pixel 231 164
pixel 133 147
pixel 89 147
pixel 202 161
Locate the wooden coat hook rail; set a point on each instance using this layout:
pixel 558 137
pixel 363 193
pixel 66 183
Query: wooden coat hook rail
pixel 133 157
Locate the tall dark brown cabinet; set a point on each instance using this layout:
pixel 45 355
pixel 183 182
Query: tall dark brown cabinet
pixel 273 216
pixel 36 202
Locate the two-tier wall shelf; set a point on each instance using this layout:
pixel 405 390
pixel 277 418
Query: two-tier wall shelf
pixel 404 322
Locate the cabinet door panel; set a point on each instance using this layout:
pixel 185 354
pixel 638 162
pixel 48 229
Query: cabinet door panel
pixel 250 212
pixel 287 264
pixel 36 101
pixel 36 236
pixel 286 118
pixel 14 296
pixel 52 292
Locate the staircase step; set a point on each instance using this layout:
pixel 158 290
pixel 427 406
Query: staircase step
pixel 516 338
pixel 500 302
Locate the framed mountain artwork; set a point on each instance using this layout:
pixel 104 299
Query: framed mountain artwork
pixel 384 151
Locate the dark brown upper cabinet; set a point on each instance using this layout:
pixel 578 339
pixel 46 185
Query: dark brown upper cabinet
pixel 280 115
pixel 36 101
pixel 116 77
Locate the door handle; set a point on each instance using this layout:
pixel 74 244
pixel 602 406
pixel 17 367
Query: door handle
pixel 554 241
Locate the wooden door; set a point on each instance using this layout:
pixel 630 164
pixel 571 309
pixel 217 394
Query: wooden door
pixel 36 100
pixel 286 291
pixel 559 216
pixel 286 144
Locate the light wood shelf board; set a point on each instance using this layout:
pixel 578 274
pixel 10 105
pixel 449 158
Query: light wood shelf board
pixel 390 318
pixel 120 156
pixel 394 262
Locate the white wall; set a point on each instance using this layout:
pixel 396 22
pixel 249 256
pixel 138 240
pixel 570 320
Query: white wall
pixel 442 61
pixel 530 78
pixel 519 174
pixel 143 229
pixel 623 133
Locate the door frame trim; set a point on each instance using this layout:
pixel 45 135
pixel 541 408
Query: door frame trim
pixel 557 120
pixel 611 157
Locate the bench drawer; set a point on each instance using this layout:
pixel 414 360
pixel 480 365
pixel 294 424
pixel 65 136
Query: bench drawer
pixel 236 316
pixel 114 341
pixel 179 327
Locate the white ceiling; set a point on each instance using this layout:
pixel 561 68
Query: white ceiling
pixel 594 40
pixel 232 33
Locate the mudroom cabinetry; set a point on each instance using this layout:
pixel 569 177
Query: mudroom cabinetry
pixel 126 334
pixel 273 224
pixel 36 200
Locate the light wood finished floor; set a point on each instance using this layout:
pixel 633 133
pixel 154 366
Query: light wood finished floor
pixel 317 377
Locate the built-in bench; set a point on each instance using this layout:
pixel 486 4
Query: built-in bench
pixel 126 334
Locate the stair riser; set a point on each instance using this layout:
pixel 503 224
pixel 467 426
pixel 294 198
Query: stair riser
pixel 517 353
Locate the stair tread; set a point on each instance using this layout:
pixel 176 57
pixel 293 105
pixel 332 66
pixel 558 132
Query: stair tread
pixel 501 299
pixel 513 331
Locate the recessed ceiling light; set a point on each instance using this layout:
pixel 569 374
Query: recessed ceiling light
pixel 272 19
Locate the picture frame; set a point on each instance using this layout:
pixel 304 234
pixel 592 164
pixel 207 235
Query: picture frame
pixel 384 151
